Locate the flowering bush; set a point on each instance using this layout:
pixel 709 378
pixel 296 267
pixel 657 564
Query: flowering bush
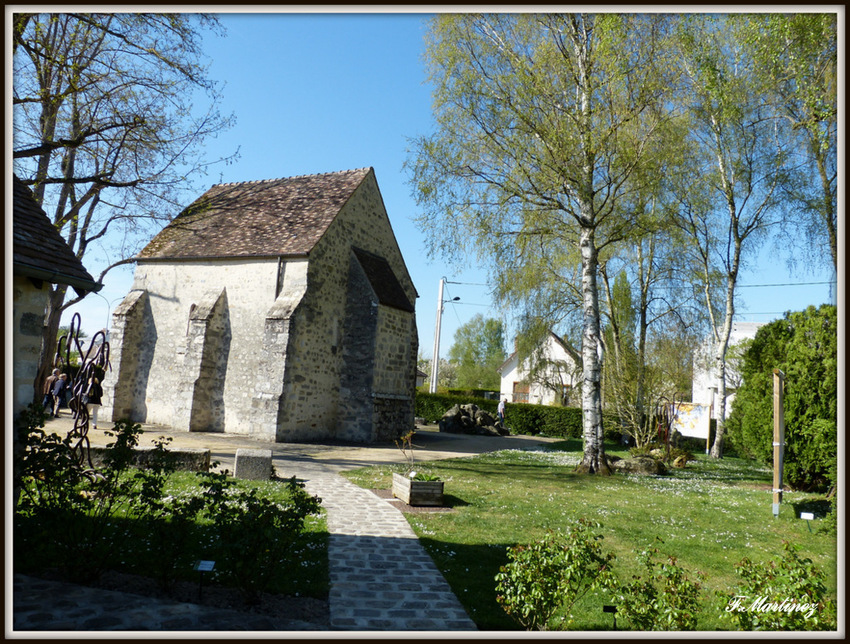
pixel 253 534
pixel 666 599
pixel 785 596
pixel 552 573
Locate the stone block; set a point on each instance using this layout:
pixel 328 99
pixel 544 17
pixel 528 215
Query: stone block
pixel 254 464
pixel 188 459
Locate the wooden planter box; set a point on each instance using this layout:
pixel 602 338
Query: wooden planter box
pixel 417 492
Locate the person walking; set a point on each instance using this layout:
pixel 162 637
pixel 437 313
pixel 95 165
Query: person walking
pixel 92 399
pixel 60 387
pixel 47 390
pixel 501 411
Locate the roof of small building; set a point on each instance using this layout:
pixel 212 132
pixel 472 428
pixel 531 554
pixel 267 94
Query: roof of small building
pixel 551 335
pixel 278 217
pixel 39 251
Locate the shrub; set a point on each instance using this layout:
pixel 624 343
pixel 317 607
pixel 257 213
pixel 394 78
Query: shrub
pixel 254 534
pixel 554 572
pixel 431 407
pixel 81 519
pixel 666 599
pixel 794 581
pixel 804 346
pixel 69 509
pixel 559 422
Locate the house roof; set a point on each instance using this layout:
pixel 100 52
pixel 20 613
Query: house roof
pixel 384 282
pixel 278 217
pixel 39 251
pixel 554 336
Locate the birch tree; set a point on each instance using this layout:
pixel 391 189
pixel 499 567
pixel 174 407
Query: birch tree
pixel 542 123
pixel 106 128
pixel 732 198
pixel 798 56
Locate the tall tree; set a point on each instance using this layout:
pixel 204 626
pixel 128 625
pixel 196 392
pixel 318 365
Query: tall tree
pixel 478 351
pixel 106 130
pixel 542 124
pixel 740 158
pixel 798 54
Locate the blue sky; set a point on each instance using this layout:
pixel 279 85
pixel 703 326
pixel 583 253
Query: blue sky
pixel 317 93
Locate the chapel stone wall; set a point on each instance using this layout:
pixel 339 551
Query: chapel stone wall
pixel 174 290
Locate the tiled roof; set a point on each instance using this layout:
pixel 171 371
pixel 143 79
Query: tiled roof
pixel 39 251
pixel 257 218
pixel 383 280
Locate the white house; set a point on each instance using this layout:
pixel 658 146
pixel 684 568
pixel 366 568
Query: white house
pixel 551 384
pixel 694 417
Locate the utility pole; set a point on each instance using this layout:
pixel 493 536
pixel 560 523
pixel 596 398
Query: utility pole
pixel 435 361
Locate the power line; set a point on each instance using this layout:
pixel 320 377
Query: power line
pixel 467 283
pixel 788 284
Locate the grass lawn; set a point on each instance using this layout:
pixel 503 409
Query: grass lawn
pixel 709 515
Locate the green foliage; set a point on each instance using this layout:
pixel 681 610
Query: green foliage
pixel 804 346
pixel 554 572
pixel 665 600
pixel 562 422
pixel 794 580
pixel 70 507
pixel 86 521
pixel 253 534
pixel 431 407
pixel 478 350
pixel 521 418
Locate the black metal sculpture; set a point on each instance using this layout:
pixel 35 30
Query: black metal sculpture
pixel 94 363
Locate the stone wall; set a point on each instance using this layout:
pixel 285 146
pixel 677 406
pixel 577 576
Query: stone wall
pixel 170 339
pixel 345 324
pixel 28 304
pixel 392 416
pixel 132 345
pixel 283 349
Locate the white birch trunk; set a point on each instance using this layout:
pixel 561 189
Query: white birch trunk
pixel 594 460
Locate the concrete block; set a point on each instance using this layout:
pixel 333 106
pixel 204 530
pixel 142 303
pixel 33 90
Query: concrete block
pixel 254 464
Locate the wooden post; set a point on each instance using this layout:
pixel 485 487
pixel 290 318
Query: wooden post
pixel 710 414
pixel 778 437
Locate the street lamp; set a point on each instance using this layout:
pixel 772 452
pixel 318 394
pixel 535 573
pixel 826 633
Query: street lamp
pixel 435 362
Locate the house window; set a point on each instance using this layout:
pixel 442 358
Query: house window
pixel 565 395
pixel 520 392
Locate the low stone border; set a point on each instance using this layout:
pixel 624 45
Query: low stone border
pixel 190 459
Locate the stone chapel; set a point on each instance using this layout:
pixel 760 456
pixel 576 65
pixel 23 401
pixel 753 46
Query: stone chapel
pixel 280 309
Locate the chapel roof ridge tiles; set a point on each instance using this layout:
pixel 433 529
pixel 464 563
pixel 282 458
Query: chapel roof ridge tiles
pixel 297 176
pixel 266 218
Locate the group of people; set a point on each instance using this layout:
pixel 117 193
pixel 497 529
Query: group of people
pixel 57 388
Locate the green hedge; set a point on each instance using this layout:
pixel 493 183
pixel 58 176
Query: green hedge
pixel 521 418
pixel 475 393
pixel 431 407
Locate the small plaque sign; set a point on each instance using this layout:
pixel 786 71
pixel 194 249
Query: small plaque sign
pixel 204 566
pixel 808 516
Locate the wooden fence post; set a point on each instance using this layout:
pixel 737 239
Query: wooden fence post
pixel 778 437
